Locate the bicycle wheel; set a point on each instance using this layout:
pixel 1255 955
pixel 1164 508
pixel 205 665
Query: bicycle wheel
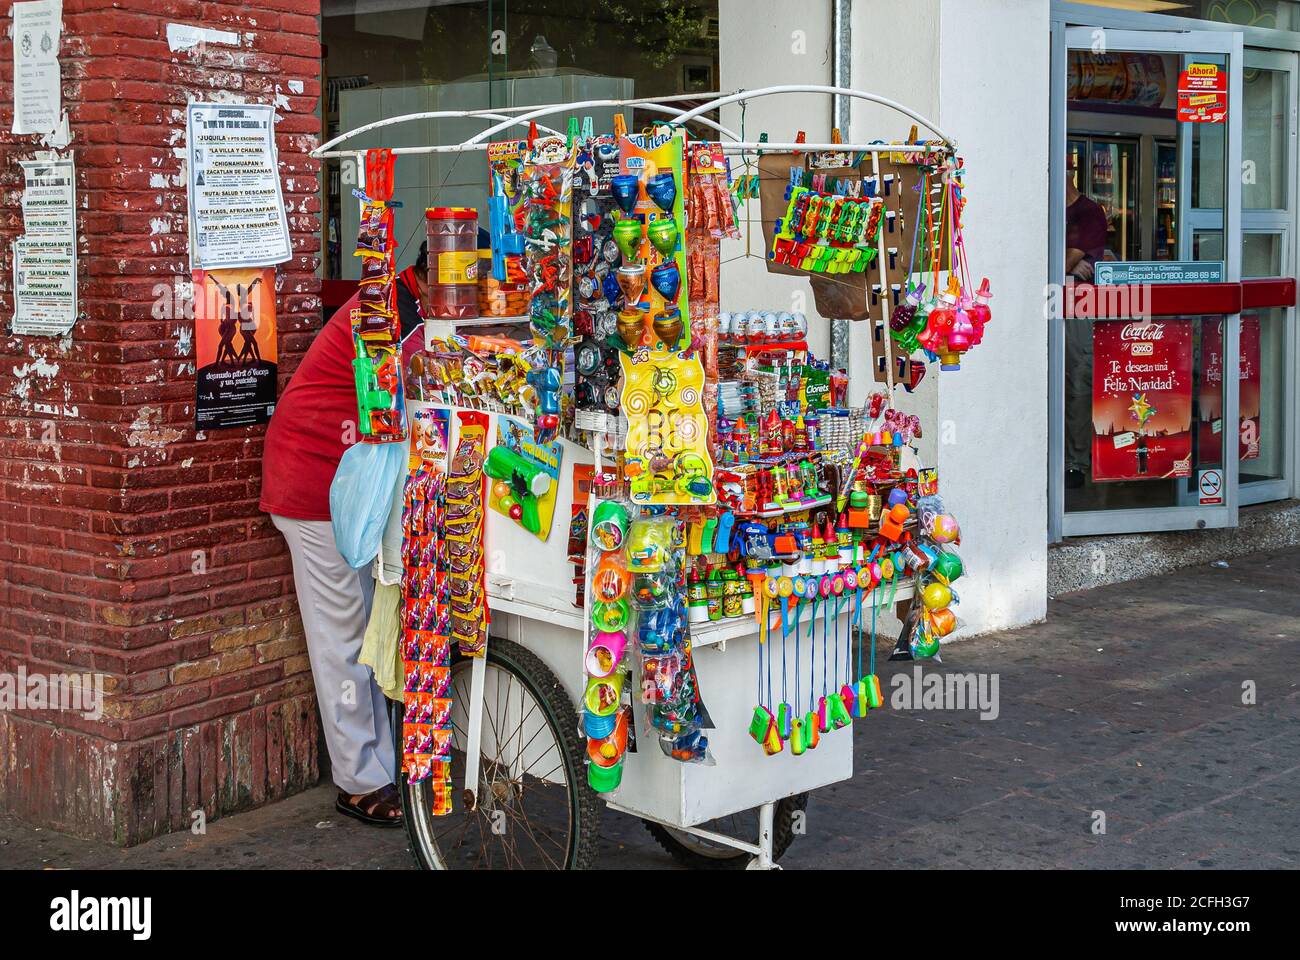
pixel 701 854
pixel 533 808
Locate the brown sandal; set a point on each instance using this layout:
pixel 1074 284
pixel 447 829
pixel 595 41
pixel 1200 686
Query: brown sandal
pixel 379 808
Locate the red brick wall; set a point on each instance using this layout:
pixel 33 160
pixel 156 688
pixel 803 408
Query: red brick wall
pixel 129 545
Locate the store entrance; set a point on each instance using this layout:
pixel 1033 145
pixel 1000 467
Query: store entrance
pixel 1146 247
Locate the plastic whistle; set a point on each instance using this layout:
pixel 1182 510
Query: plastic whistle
pixel 860 703
pixel 785 721
pixel 823 716
pixel 811 734
pixel 839 713
pixel 797 741
pixel 875 700
pixel 763 729
pixel 848 698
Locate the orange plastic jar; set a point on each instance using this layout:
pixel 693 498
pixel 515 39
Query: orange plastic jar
pixel 453 261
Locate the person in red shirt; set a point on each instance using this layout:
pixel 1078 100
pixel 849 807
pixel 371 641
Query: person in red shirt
pixel 1086 229
pixel 314 422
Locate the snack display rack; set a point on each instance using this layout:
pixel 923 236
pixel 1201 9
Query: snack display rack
pixel 527 579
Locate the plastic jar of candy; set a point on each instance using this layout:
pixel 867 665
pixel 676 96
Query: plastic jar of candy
pixel 453 261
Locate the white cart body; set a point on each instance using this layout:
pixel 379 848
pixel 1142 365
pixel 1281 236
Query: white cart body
pixel 531 592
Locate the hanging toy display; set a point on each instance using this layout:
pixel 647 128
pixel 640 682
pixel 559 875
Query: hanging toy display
pixel 729 489
pixel 949 326
pixel 597 294
pixel 546 191
pixel 376 335
pixel 606 716
pixel 826 232
pixel 650 236
pixel 669 685
pixel 667 449
pixel 426 642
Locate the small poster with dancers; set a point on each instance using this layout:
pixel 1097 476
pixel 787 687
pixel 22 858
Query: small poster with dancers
pixel 235 347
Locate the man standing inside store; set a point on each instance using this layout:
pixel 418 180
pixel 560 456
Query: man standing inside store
pixel 1085 244
pixel 314 423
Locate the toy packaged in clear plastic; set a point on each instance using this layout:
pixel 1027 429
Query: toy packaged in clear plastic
pixel 669 687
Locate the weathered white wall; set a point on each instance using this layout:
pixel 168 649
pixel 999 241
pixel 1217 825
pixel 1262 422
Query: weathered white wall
pixel 979 68
pixel 992 417
pixel 764 43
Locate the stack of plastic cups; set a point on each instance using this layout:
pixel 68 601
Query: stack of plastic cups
pixel 606 718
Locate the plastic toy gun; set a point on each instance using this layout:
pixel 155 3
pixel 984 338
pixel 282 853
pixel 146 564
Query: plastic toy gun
pixel 506 240
pixel 527 482
pixel 376 384
pixel 546 380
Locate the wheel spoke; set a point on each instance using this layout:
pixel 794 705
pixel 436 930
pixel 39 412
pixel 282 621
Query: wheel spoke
pixel 537 811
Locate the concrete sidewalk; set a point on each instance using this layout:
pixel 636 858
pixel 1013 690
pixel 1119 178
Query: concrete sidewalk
pixel 1127 703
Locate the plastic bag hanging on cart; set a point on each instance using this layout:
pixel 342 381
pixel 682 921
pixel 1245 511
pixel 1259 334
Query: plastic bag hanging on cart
pixel 361 495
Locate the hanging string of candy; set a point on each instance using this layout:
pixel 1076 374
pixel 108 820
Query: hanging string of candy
pixel 463 531
pixel 426 644
pixel 376 334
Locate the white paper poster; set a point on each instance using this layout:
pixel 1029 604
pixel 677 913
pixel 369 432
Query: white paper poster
pixel 49 199
pixel 45 257
pixel 45 287
pixel 237 216
pixel 38 104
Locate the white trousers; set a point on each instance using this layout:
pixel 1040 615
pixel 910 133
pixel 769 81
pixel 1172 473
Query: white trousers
pixel 334 601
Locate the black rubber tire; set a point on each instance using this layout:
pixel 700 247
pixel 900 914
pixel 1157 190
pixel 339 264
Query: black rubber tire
pixel 561 717
pixel 782 836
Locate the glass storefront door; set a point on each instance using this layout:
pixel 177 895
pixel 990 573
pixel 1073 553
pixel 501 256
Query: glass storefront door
pixel 1268 189
pixel 1146 249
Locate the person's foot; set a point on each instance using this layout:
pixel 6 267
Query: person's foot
pixel 379 808
pixel 1073 479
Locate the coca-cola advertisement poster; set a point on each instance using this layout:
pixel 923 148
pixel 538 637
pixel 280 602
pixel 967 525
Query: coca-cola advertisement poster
pixel 1141 399
pixel 1210 408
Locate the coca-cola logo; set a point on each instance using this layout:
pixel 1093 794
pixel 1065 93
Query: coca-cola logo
pixel 1142 331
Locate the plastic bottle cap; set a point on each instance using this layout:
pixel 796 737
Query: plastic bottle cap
pixel 451 213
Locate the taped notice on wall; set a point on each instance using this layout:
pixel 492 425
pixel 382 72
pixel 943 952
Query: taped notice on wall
pixel 38 99
pixel 236 205
pixel 45 256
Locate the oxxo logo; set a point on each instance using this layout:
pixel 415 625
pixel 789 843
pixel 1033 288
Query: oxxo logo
pixel 75 913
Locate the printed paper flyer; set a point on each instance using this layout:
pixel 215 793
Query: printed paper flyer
pixel 237 216
pixel 45 256
pixel 235 348
pixel 1141 399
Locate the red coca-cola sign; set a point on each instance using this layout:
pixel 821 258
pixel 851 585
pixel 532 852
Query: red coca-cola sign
pixel 1141 399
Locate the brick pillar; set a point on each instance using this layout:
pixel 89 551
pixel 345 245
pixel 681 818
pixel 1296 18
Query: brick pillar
pixel 130 545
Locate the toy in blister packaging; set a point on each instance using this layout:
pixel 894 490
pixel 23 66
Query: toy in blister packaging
pixel 650 544
pixel 525 476
pixel 827 233
pixel 609 525
pixel 667 451
pixel 650 235
pixel 546 209
pixel 669 686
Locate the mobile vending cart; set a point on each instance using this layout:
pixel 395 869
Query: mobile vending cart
pixel 694 722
